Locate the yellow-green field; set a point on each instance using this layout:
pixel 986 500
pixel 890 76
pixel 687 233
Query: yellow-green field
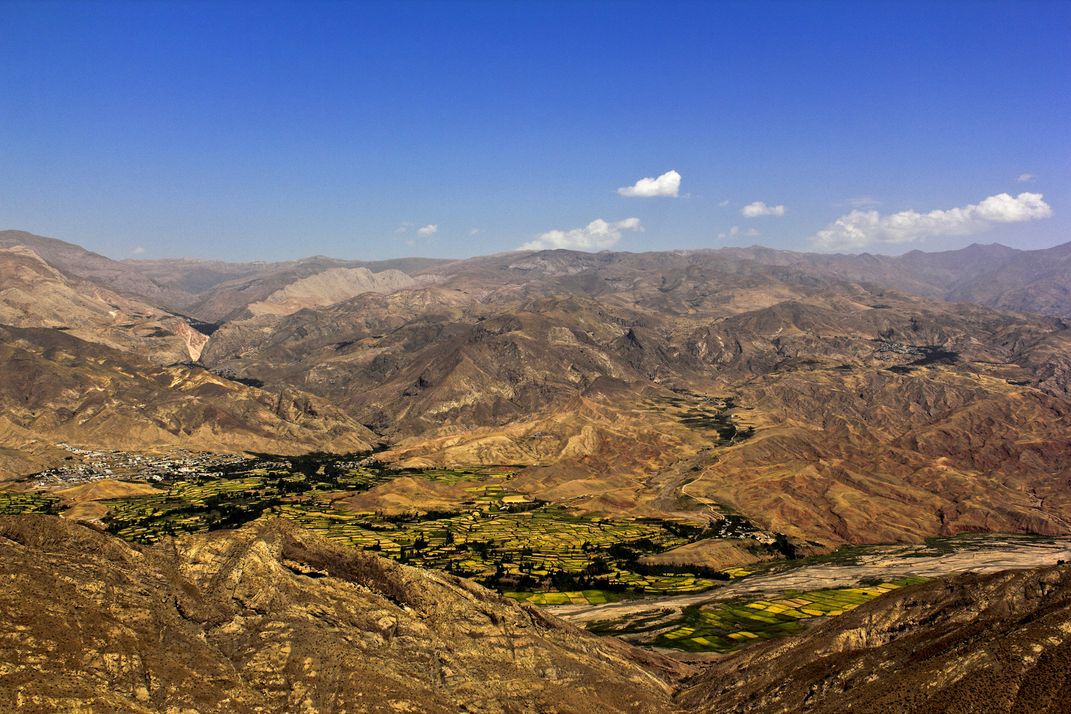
pixel 575 597
pixel 13 503
pixel 720 627
pixel 544 546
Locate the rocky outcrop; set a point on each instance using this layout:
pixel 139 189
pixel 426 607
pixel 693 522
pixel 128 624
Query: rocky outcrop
pixel 270 618
pixel 33 293
pixel 328 287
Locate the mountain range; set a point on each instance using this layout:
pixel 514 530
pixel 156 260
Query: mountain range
pixel 833 399
pixel 748 407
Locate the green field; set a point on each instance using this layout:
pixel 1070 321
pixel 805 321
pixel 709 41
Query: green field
pixel 493 534
pixel 14 504
pixel 725 626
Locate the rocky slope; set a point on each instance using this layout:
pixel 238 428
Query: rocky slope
pixel 878 416
pixel 221 298
pixel 271 619
pixel 993 275
pixel 35 294
pixel 57 387
pixel 992 643
pixel 78 262
pixel 864 413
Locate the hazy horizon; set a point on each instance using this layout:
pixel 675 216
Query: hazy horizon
pixel 252 258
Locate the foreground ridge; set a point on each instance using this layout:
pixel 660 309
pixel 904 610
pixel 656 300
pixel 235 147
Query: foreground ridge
pixel 270 617
pixel 273 618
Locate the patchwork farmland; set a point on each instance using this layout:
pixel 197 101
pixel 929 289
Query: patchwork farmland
pixel 725 626
pixel 13 503
pixel 531 550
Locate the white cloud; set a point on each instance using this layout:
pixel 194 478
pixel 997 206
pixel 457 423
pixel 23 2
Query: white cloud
pixel 759 208
pixel 138 250
pixel 737 231
pixel 859 229
pixel 428 231
pixel 474 232
pixel 1026 178
pixel 597 235
pixel 668 184
pixel 724 203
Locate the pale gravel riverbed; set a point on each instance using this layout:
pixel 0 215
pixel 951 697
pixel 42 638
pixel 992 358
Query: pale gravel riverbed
pixel 981 554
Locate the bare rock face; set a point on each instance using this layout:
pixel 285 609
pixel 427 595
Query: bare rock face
pixel 328 287
pixel 36 294
pixel 270 619
pixel 992 643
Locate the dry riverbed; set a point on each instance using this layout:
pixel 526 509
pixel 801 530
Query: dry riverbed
pixel 980 554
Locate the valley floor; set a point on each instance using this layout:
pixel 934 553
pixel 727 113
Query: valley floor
pixel 643 621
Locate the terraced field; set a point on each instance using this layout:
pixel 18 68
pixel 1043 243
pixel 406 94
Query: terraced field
pixel 13 503
pixel 533 550
pixel 721 627
pixel 576 597
pixel 540 547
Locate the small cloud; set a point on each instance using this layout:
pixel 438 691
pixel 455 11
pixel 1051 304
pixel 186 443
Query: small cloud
pixel 474 232
pixel 759 208
pixel 138 250
pixel 724 204
pixel 737 231
pixel 859 229
pixel 597 235
pixel 428 231
pixel 403 227
pixel 1026 178
pixel 668 184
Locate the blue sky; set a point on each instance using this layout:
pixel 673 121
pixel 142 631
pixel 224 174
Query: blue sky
pixel 276 130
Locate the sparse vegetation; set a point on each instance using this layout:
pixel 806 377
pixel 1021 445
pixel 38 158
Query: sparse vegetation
pixel 699 411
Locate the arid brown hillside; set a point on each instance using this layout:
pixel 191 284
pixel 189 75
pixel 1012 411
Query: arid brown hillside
pixel 35 294
pixel 878 416
pixel 78 262
pixel 59 388
pixel 271 618
pixel 994 275
pixel 218 292
pixel 329 287
pixel 992 643
pixel 799 390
